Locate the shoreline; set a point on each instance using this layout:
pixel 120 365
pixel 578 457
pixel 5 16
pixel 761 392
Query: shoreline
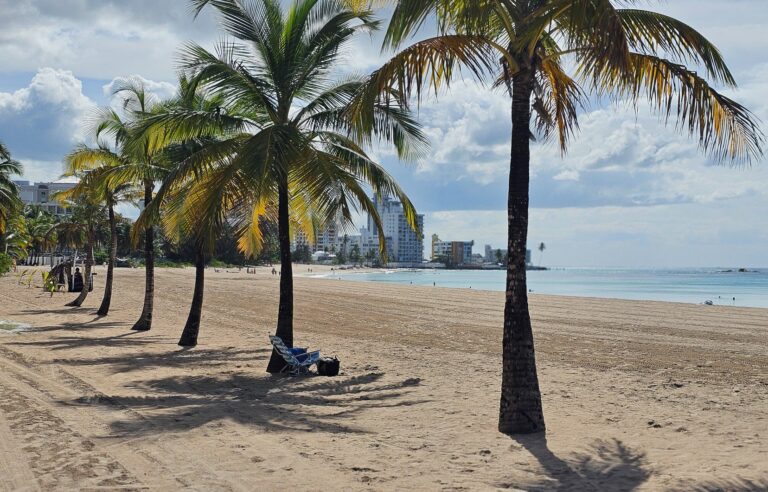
pixel 355 276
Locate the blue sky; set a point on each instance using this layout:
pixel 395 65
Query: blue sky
pixel 630 191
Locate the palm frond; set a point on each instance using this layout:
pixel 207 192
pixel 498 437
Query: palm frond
pixel 722 126
pixel 648 32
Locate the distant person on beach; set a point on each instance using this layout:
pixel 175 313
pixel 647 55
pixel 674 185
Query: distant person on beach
pixel 77 281
pixel 274 272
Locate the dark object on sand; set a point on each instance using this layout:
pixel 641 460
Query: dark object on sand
pixel 73 281
pixel 327 366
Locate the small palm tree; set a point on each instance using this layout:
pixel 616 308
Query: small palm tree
pixel 78 230
pixel 38 224
pixel 300 147
pixel 542 247
pixel 9 192
pixel 95 184
pixel 185 184
pixel 528 46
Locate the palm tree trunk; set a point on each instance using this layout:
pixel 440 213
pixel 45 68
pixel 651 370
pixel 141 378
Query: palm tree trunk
pixel 192 328
pixel 520 408
pixel 144 322
pixel 87 274
pixel 285 310
pixel 107 300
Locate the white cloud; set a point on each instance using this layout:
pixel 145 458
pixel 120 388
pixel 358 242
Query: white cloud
pixel 99 38
pixel 713 234
pixel 156 91
pixel 41 171
pixel 43 120
pixel 620 156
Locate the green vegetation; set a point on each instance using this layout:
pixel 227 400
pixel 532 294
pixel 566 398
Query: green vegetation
pixel 6 263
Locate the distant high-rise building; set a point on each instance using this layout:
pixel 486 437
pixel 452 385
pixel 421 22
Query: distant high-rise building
pixel 41 195
pixel 490 255
pixel 404 245
pixel 328 238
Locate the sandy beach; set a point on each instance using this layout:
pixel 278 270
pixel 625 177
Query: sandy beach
pixel 637 395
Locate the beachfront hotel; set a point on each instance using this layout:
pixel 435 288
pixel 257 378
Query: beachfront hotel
pixel 41 195
pixel 454 252
pixel 404 245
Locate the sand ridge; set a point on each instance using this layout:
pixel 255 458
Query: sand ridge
pixel 637 395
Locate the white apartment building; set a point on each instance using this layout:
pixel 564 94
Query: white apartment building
pixel 41 194
pixel 490 254
pixel 456 252
pixel 404 245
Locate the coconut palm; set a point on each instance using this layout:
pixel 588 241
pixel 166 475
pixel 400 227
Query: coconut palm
pixel 95 184
pixel 111 196
pixel 9 193
pixel 78 230
pixel 38 224
pixel 541 248
pixel 189 213
pixel 134 162
pixel 182 219
pixel 297 148
pixel 626 54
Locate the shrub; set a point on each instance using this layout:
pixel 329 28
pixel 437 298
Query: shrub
pixel 6 262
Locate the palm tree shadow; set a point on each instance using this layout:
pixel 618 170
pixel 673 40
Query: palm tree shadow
pixel 63 310
pixel 607 465
pixel 73 342
pixel 269 403
pixel 182 357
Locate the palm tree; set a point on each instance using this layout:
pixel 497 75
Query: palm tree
pixel 300 147
pixel 135 161
pixel 183 218
pixel 542 247
pixel 38 223
pixel 112 196
pixel 79 230
pixel 628 54
pixel 9 192
pixel 95 184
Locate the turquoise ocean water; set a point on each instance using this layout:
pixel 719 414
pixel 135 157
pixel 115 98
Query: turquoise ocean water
pixel 692 285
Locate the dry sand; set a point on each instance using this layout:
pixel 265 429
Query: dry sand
pixel 637 395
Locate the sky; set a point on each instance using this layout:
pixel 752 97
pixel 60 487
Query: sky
pixel 630 191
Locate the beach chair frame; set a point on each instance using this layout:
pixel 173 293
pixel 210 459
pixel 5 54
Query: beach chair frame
pixel 295 367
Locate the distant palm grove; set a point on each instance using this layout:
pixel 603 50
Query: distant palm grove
pixel 266 136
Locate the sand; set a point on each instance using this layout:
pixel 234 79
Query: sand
pixel 637 395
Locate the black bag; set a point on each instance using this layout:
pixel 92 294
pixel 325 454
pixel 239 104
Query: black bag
pixel 328 367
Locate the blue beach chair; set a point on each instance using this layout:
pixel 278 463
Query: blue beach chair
pixel 298 360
